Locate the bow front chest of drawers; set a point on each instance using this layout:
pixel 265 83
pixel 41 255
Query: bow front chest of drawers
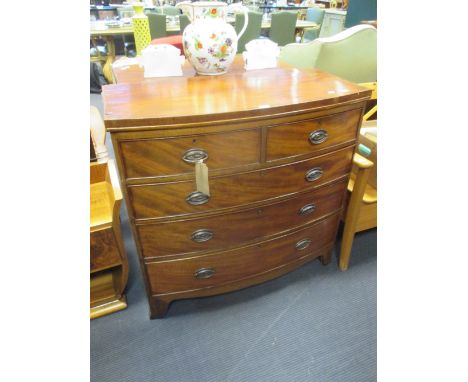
pixel 278 144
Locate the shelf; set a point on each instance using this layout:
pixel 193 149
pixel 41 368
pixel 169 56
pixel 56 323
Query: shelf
pixel 104 195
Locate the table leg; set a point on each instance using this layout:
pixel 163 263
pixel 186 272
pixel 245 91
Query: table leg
pixel 107 68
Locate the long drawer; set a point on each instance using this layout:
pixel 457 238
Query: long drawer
pixel 306 137
pixel 178 275
pixel 153 157
pixel 179 198
pixel 236 228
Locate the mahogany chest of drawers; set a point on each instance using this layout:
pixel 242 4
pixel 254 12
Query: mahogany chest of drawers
pixel 278 144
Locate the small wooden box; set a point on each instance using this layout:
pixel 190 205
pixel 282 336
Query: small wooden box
pixel 108 262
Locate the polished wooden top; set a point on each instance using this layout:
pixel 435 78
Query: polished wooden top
pixel 235 95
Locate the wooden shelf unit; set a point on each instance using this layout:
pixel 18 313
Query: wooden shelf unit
pixel 108 261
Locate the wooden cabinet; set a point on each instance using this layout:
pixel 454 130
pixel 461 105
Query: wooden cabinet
pixel 108 262
pixel 333 22
pixel 278 144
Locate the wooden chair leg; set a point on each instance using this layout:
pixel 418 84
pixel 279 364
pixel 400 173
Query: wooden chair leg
pixel 352 215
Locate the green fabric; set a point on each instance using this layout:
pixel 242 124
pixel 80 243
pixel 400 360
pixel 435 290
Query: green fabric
pixel 252 32
pixel 316 15
pixel 183 22
pixel 283 27
pixel 353 58
pixel 157 25
pixel 301 56
pixel 359 10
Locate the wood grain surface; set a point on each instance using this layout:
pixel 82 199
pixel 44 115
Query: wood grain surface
pixel 289 140
pixel 239 227
pixel 178 275
pixel 163 156
pixel 169 198
pixel 255 128
pixel 104 250
pixel 237 94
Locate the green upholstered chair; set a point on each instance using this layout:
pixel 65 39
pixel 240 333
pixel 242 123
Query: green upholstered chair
pixel 351 54
pixel 254 27
pixel 283 27
pixel 157 25
pixel 183 22
pixel 316 15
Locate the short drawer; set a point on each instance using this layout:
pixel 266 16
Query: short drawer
pixel 237 228
pixel 171 276
pixel 310 136
pixel 153 157
pixel 179 198
pixel 104 250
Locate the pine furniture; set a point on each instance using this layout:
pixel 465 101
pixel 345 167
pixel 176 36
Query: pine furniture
pixel 278 144
pixel 108 261
pixel 360 212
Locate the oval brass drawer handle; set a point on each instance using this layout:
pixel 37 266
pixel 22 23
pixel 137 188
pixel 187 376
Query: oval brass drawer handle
pixel 314 174
pixel 194 155
pixel 318 136
pixel 307 209
pixel 201 235
pixel 204 273
pixel 196 198
pixel 303 244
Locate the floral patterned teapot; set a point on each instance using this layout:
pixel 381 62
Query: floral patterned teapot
pixel 210 43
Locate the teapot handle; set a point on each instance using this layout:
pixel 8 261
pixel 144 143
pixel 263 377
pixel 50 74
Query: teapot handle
pixel 239 7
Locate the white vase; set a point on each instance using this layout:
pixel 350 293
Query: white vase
pixel 210 43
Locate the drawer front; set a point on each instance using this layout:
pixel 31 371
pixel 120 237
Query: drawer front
pixel 310 136
pixel 169 199
pixel 153 157
pixel 204 271
pixel 233 229
pixel 104 250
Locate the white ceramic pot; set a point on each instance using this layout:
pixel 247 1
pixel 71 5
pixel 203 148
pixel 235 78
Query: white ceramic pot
pixel 210 43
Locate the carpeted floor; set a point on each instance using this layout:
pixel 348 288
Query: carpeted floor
pixel 314 324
